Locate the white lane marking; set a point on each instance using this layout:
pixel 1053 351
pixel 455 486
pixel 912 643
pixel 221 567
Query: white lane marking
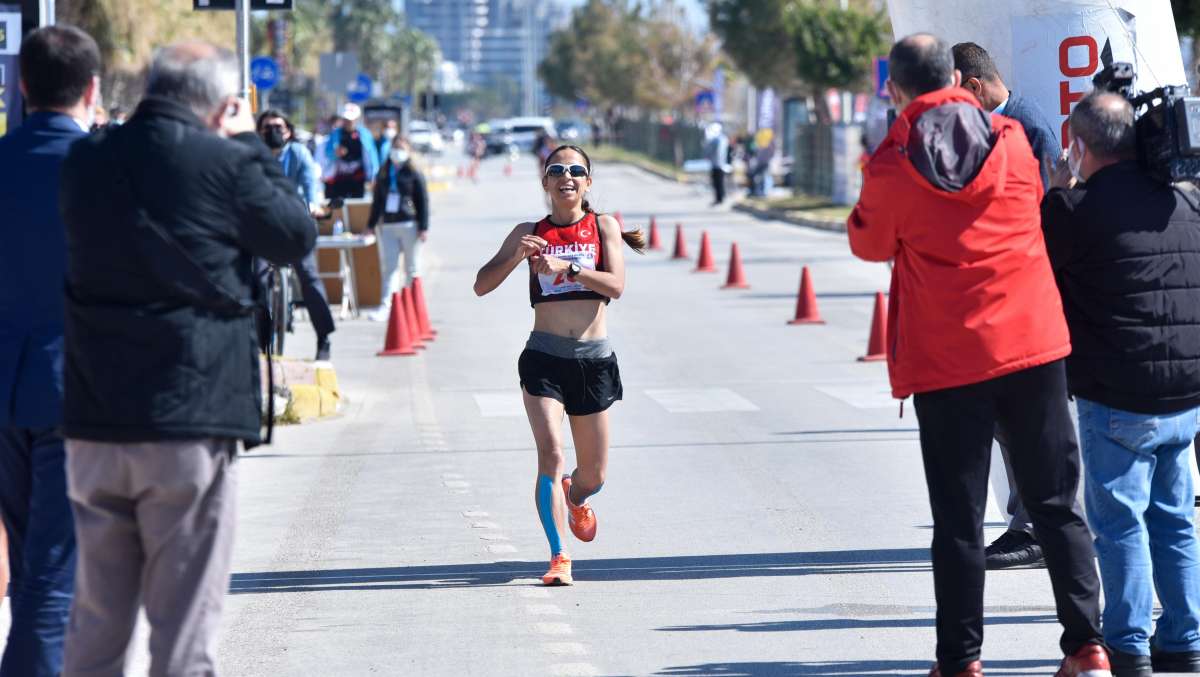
pixel 574 670
pixel 501 549
pixel 456 484
pixel 493 537
pixel 499 405
pixel 700 400
pixel 544 610
pixel 484 525
pixel 532 593
pixel 565 649
pixel 474 513
pixel 554 628
pixel 451 476
pixel 861 396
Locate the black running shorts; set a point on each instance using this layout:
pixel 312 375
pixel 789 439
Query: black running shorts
pixel 584 386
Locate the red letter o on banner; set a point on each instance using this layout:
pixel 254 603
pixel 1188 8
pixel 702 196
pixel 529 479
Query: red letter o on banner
pixel 1093 50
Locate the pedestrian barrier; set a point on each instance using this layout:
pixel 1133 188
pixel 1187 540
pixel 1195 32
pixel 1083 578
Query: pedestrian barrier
pixel 877 341
pixel 806 302
pixel 681 252
pixel 410 317
pixel 705 264
pixel 427 332
pixel 737 277
pixel 655 243
pixel 398 340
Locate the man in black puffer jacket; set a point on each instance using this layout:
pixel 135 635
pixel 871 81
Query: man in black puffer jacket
pixel 163 216
pixel 1126 253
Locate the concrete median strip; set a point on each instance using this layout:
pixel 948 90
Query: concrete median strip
pixel 310 390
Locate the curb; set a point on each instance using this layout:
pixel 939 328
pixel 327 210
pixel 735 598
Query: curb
pixel 778 215
pixel 311 390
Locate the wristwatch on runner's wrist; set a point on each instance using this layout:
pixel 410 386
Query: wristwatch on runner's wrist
pixel 573 270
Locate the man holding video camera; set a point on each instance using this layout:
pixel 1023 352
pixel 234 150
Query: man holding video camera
pixel 1125 249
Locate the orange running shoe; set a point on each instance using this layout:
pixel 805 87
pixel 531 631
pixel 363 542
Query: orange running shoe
pixel 560 571
pixel 581 518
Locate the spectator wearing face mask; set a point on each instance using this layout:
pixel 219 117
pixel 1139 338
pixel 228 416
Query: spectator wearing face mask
pixel 299 166
pixel 400 203
pixel 391 129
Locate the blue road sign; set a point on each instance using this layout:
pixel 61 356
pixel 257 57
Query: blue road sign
pixel 264 72
pixel 360 90
pixel 881 77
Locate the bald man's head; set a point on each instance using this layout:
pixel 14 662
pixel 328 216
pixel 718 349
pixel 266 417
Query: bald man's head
pixel 1104 122
pixel 921 63
pixel 199 75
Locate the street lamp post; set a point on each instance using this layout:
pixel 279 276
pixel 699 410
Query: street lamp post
pixel 242 10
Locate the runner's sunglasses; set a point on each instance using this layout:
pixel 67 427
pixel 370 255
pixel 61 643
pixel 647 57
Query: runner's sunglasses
pixel 557 170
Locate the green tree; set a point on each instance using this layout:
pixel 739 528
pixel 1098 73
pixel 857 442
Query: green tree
pixel 755 34
pixel 606 65
pixel 678 60
pixel 1187 16
pixel 833 47
pixel 412 61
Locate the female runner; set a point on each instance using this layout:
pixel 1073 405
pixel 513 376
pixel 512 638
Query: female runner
pixel 575 268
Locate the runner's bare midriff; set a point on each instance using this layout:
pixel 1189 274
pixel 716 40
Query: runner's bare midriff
pixel 580 319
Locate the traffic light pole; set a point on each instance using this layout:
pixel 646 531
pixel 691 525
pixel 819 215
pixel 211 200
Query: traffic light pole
pixel 242 10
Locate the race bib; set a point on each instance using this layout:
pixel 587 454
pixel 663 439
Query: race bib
pixel 584 256
pixel 393 202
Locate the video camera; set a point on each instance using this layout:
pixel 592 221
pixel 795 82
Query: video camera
pixel 1168 129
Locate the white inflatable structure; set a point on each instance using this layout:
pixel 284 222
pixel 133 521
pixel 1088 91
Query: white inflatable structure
pixel 1048 50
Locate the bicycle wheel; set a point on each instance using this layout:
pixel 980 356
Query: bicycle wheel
pixel 281 302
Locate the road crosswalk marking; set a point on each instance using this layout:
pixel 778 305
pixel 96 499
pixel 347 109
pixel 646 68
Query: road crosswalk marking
pixel 700 400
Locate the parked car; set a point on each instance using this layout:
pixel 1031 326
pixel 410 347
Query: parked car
pixel 425 137
pixel 518 133
pixel 573 131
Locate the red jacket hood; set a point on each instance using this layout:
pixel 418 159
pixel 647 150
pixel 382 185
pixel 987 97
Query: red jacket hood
pixel 990 177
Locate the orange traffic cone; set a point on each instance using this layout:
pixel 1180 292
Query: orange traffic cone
pixel 877 343
pixel 655 242
pixel 398 341
pixel 737 276
pixel 427 331
pixel 461 171
pixel 410 315
pixel 705 264
pixel 508 169
pixel 680 243
pixel 806 302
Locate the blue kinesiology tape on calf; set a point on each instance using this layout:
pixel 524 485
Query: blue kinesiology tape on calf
pixel 545 508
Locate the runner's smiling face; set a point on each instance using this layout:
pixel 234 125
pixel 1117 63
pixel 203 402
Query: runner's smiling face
pixel 567 190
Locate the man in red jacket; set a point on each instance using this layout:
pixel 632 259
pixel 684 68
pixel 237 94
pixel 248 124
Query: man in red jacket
pixel 977 335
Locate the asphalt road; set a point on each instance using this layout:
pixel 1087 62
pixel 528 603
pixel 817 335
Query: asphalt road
pixel 765 512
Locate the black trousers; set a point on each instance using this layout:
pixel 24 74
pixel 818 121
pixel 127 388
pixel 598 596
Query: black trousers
pixel 957 426
pixel 718 184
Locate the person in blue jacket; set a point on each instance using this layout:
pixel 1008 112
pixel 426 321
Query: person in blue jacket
pixel 59 79
pixel 299 166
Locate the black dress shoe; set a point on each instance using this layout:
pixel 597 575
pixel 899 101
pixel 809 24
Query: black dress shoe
pixel 1175 661
pixel 322 349
pixel 1129 665
pixel 1013 549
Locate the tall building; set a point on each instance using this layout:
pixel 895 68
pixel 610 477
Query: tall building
pixel 494 43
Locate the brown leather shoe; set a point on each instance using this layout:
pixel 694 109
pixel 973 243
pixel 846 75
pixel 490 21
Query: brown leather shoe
pixel 973 670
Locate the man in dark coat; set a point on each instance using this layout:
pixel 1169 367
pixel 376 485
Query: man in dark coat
pixel 1017 546
pixel 164 215
pixel 59 67
pixel 1125 249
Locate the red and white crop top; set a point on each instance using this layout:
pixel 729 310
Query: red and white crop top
pixel 578 242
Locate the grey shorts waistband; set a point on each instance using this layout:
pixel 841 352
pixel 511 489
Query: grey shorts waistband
pixel 568 348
